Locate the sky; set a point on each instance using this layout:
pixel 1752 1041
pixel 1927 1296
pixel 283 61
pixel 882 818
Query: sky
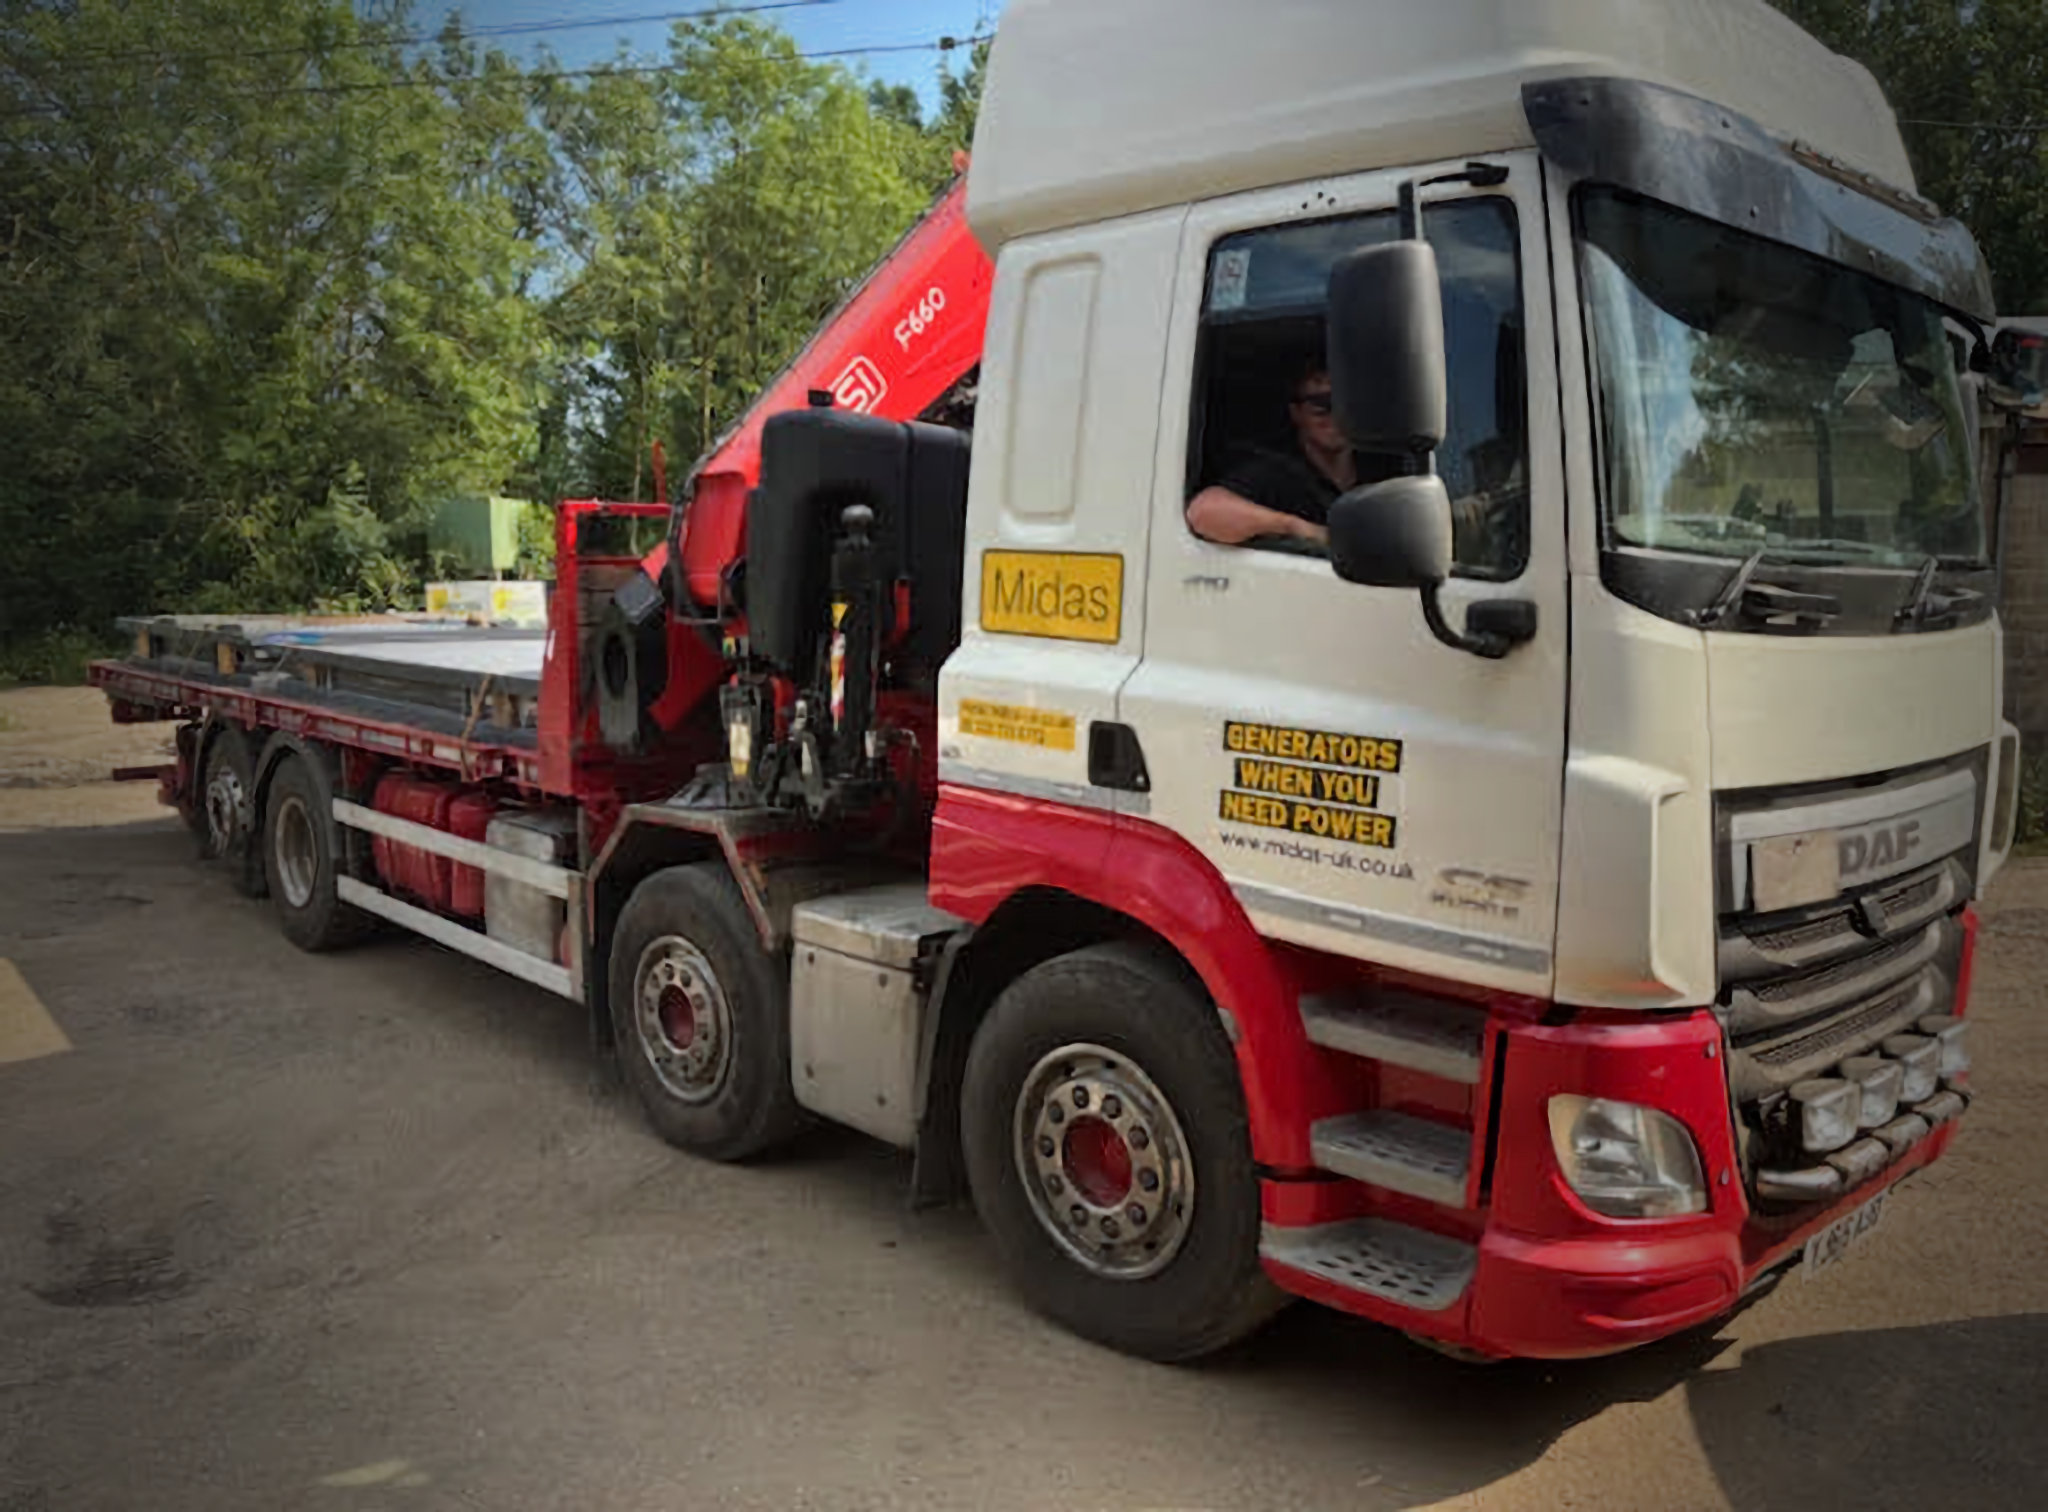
pixel 829 25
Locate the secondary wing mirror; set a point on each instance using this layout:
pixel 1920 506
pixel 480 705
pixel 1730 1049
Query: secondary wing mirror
pixel 2016 368
pixel 1395 534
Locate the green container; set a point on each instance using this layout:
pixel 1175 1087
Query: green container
pixel 481 534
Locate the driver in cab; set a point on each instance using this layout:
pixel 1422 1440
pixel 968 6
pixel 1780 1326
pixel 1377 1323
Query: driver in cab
pixel 1287 495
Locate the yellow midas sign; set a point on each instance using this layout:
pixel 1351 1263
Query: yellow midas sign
pixel 1052 594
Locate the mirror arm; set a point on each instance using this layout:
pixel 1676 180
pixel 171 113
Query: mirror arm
pixel 1492 647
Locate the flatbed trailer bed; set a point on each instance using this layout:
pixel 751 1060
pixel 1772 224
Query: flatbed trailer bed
pixel 442 691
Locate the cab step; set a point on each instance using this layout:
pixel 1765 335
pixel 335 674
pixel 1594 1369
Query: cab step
pixel 1394 1262
pixel 1398 1152
pixel 1430 1035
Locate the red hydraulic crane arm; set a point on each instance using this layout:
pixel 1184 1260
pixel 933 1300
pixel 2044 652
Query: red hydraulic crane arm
pixel 907 335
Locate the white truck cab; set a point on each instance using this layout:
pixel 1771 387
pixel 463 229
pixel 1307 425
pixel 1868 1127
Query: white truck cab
pixel 1701 725
pixel 1642 397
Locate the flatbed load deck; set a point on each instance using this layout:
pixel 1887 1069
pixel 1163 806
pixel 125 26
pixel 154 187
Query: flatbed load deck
pixel 441 689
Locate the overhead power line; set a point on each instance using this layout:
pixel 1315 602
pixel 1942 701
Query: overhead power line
pixel 84 61
pixel 529 76
pixel 603 70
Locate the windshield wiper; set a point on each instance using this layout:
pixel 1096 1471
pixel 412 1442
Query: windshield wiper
pixel 1914 610
pixel 1768 601
pixel 1923 605
pixel 1729 600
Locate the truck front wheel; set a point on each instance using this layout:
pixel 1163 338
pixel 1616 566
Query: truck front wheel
pixel 702 1016
pixel 1104 1131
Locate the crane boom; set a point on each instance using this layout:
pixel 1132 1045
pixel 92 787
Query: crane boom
pixel 898 344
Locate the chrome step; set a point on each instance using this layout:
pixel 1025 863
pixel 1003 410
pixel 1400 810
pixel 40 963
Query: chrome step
pixel 1398 1152
pixel 1438 1038
pixel 1384 1259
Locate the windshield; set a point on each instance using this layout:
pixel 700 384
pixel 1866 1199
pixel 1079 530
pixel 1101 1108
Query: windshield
pixel 1757 397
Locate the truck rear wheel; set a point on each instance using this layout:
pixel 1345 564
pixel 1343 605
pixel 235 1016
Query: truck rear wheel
pixel 702 1016
pixel 227 789
pixel 300 843
pixel 1104 1131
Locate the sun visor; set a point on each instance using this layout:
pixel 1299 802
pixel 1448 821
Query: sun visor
pixel 1690 153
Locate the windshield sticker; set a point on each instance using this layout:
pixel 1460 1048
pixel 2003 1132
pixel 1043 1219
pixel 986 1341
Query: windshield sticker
pixel 1232 279
pixel 1309 782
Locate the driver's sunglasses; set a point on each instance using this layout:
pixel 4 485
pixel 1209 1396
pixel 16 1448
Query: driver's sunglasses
pixel 1319 402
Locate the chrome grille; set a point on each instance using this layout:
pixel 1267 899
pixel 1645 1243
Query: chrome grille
pixel 1805 989
pixel 1844 1034
pixel 1806 939
pixel 1838 925
pixel 1789 988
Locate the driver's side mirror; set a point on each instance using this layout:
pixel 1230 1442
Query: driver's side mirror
pixel 1388 390
pixel 2011 371
pixel 1386 343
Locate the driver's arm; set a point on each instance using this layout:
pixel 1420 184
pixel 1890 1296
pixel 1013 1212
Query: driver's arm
pixel 1229 519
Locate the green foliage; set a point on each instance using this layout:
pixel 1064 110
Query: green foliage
pixel 2030 829
pixel 718 211
pixel 274 281
pixel 53 658
pixel 260 310
pixel 1955 71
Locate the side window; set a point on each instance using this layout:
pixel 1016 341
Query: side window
pixel 1263 330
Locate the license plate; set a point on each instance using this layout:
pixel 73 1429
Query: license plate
pixel 1793 870
pixel 1838 1238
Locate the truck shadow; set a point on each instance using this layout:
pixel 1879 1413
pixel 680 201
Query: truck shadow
pixel 1432 1428
pixel 1942 1415
pixel 1337 1400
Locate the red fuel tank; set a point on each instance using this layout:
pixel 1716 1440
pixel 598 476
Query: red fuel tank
pixel 469 817
pixel 418 874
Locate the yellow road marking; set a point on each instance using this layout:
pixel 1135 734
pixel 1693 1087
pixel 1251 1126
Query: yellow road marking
pixel 26 1028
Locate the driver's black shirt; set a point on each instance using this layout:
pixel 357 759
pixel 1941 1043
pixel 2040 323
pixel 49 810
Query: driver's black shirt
pixel 1290 483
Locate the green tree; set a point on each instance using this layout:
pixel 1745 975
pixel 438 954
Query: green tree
pixel 1965 76
pixel 262 296
pixel 722 208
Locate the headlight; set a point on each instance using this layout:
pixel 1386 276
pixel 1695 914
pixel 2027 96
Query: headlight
pixel 1626 1161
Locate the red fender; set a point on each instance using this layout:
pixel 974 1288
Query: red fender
pixel 988 847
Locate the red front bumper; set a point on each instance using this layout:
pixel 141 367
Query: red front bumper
pixel 1560 1298
pixel 1552 1279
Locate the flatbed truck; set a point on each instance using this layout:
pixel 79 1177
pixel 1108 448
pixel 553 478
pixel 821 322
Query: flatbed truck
pixel 1539 920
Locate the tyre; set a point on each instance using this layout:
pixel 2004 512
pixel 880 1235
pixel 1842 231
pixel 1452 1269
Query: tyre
pixel 1104 1131
pixel 702 1016
pixel 225 811
pixel 300 841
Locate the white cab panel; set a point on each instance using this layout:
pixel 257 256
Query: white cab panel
pixel 1806 710
pixel 1098 108
pixel 1278 647
pixel 1053 615
pixel 1636 917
